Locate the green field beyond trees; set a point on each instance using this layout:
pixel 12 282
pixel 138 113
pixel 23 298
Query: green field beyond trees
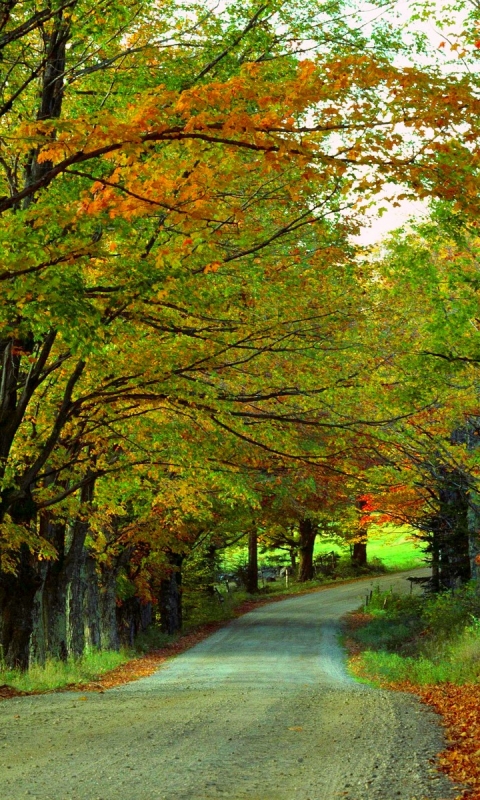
pixel 395 546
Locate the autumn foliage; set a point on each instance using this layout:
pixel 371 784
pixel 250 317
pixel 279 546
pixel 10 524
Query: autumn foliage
pixel 186 326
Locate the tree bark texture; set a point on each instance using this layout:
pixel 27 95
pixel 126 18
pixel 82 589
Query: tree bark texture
pixel 252 567
pixel 473 520
pixel 133 617
pixel 359 551
pixel 451 543
pixel 170 597
pixel 91 611
pixel 109 636
pixel 307 534
pixel 17 595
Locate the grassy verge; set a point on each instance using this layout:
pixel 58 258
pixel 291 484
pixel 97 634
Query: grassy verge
pixel 430 647
pixel 57 674
pixel 429 641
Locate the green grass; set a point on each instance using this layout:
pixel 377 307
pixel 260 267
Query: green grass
pixel 392 544
pixel 56 674
pixel 458 663
pixel 425 641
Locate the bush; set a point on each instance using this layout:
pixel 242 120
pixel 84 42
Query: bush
pixel 345 568
pixel 452 611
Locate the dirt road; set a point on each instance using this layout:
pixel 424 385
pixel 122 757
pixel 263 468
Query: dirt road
pixel 262 710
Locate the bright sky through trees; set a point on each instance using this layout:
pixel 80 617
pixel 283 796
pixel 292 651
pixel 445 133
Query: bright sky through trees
pixel 440 35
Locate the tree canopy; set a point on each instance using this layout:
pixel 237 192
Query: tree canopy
pixel 186 325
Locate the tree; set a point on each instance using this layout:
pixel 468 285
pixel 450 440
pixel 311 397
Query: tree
pixel 429 460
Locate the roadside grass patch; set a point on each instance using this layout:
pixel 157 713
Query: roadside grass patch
pixel 55 674
pixel 423 640
pixel 391 668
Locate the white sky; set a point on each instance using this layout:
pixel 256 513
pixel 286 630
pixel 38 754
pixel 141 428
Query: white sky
pixel 396 217
pixel 391 219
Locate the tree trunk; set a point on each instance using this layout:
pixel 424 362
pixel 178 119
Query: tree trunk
pixel 170 598
pixel 473 517
pixel 109 637
pixel 451 530
pixel 92 600
pixel 293 559
pixel 38 650
pixel 308 532
pixel 359 553
pixel 211 560
pixel 252 568
pixel 472 439
pixel 75 579
pixel 54 605
pixel 17 595
pixel 435 579
pixel 133 618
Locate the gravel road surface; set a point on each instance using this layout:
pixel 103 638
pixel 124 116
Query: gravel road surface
pixel 261 710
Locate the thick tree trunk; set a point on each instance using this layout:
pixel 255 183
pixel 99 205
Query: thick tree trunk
pixel 38 648
pixel 17 596
pixel 133 617
pixel 170 598
pixel 252 567
pixel 359 552
pixel 54 610
pixel 472 439
pixel 75 589
pixel 452 530
pixel 211 568
pixel 307 532
pixel 21 604
pixel 109 636
pixel 473 517
pixel 92 601
pixel 68 600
